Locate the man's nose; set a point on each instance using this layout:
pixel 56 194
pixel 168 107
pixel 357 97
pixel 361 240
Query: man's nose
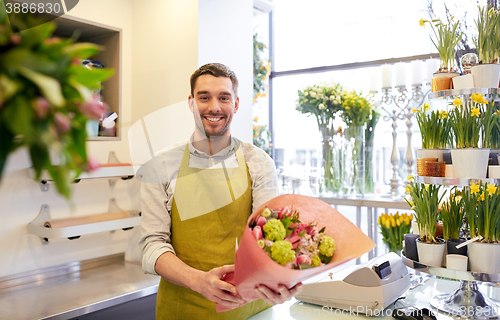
pixel 214 105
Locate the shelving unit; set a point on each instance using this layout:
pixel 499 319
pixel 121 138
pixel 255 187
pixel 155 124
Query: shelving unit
pixel 491 92
pixel 453 181
pixel 109 37
pixel 467 301
pixel 83 225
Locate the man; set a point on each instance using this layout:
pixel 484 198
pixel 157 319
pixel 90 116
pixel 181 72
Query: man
pixel 196 200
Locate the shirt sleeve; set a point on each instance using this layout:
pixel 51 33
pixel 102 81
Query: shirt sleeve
pixel 155 215
pixel 263 173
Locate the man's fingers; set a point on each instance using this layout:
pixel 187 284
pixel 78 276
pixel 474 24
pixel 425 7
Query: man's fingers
pixel 224 269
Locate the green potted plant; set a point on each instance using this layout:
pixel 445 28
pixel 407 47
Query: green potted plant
pixel 486 74
pixel 452 215
pixel 435 128
pixel 324 101
pixel 356 112
pixel 484 253
pixel 424 201
pixel 393 228
pixel 445 41
pixel 470 121
pixel 46 97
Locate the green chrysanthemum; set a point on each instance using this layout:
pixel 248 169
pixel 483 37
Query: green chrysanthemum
pixel 315 261
pixel 327 246
pixel 274 230
pixel 282 252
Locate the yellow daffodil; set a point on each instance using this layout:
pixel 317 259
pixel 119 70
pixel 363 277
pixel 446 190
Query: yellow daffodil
pixel 491 188
pixel 458 102
pixel 421 22
pixel 426 107
pixel 481 197
pixel 416 110
pixel 498 112
pixel 475 112
pixel 443 114
pixel 478 98
pixel 474 188
pixel 410 177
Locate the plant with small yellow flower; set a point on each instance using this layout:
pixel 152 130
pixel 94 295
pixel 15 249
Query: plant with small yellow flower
pixel 452 215
pixel 488 212
pixel 434 127
pixel 424 201
pixel 487 41
pixel 393 228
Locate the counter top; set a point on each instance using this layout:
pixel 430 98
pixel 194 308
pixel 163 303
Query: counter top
pixel 74 290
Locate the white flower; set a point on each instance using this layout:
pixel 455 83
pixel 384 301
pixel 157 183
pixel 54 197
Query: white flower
pixel 313 94
pixel 321 106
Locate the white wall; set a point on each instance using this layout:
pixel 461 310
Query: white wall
pixel 225 36
pixel 163 42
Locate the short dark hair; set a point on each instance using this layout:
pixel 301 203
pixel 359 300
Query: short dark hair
pixel 216 70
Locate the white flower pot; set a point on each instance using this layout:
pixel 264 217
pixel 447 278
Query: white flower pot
pixel 430 254
pixel 448 172
pixel 470 162
pixel 430 153
pixel 463 82
pixel 486 75
pixel 484 257
pixel 494 172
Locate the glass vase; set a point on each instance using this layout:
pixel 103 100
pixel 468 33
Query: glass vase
pixel 354 161
pixel 329 182
pixel 369 168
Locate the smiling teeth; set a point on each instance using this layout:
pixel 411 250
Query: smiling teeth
pixel 214 119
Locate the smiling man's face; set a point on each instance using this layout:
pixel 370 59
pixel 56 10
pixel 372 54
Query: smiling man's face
pixel 214 104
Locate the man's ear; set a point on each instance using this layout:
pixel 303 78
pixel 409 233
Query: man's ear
pixel 191 103
pixel 236 104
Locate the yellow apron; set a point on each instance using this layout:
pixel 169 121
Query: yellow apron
pixel 206 240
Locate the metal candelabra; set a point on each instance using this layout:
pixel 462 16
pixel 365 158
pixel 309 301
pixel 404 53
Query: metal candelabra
pixel 402 110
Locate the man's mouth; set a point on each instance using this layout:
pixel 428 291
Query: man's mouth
pixel 213 119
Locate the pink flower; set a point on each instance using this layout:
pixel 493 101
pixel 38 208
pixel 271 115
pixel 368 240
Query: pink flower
pixel 94 108
pixel 52 40
pixel 299 227
pixel 302 259
pixel 311 230
pixel 284 212
pixel 41 106
pixel 92 164
pixel 76 62
pixel 261 221
pixel 15 38
pixel 62 122
pixel 257 232
pixel 294 239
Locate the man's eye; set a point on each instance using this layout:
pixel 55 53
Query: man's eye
pixel 224 98
pixel 203 98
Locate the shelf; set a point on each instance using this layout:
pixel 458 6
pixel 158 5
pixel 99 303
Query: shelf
pixel 110 38
pixel 459 92
pixel 450 274
pixel 115 171
pixel 453 181
pixel 72 228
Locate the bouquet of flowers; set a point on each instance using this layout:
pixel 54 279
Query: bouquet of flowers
pixel 290 242
pixel 393 228
pixel 254 265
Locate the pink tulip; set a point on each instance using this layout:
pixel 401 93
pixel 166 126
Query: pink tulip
pixel 62 122
pixel 261 221
pixel 300 227
pixel 294 239
pixel 302 259
pixel 311 230
pixel 41 106
pixel 284 212
pixel 257 232
pixel 94 108
pixel 92 164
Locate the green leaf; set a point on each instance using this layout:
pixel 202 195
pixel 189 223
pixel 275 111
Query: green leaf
pixel 49 87
pixel 6 146
pixel 82 50
pixel 287 221
pixel 8 88
pixel 90 78
pixel 18 115
pixel 85 93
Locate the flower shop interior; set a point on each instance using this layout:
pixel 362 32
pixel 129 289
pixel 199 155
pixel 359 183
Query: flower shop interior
pixel 386 110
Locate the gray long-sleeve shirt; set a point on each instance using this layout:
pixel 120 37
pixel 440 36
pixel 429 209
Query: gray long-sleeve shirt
pixel 159 176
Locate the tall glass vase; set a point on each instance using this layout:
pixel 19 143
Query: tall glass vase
pixel 329 182
pixel 354 161
pixel 369 168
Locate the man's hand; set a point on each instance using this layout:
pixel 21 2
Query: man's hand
pixel 284 294
pixel 214 289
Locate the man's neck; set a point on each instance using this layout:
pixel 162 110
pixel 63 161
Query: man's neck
pixel 211 145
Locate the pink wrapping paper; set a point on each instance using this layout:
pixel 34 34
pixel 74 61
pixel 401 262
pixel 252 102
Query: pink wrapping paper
pixel 254 267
